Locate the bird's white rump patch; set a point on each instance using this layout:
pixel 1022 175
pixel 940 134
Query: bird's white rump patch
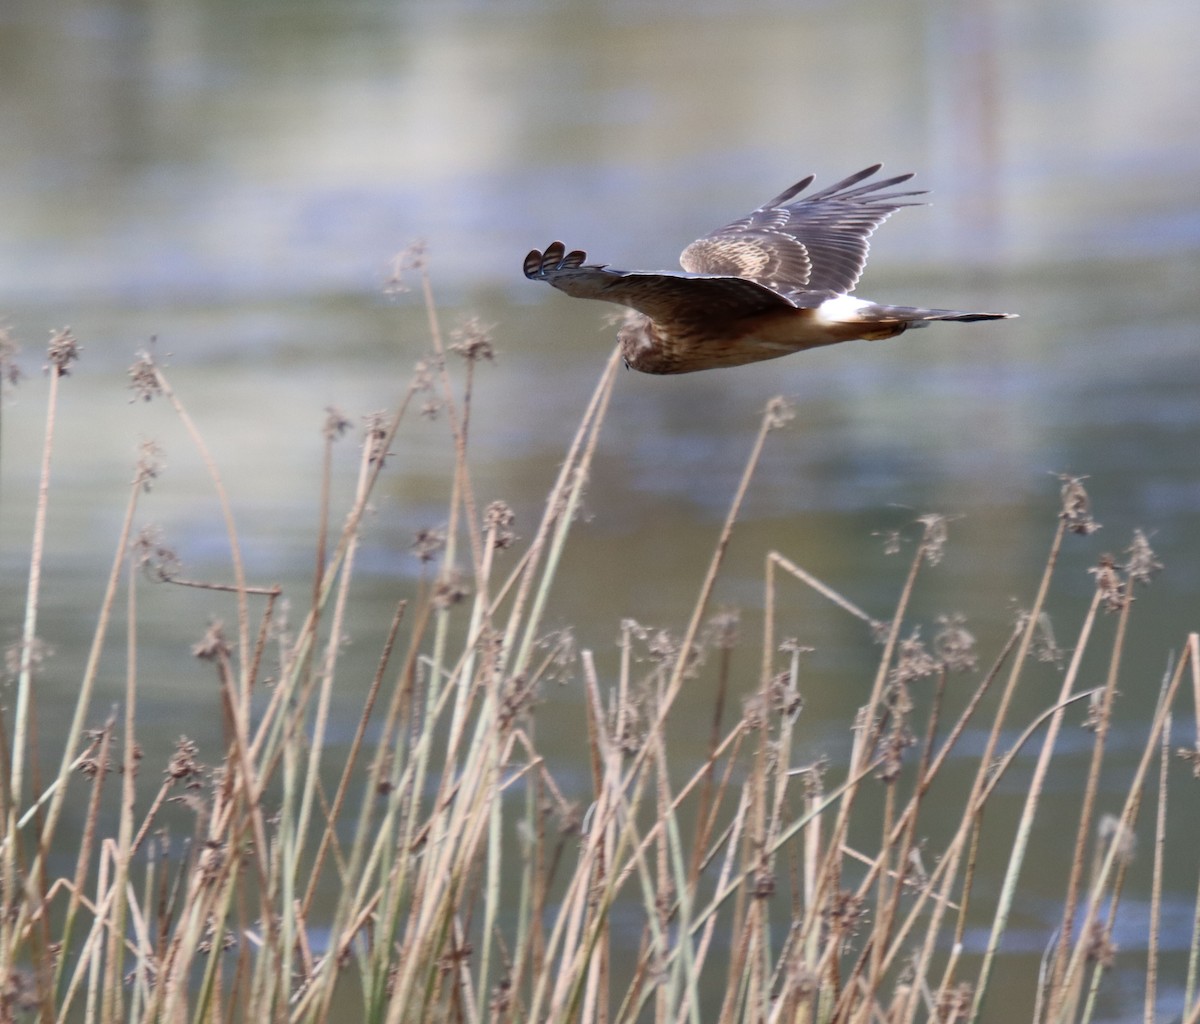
pixel 842 310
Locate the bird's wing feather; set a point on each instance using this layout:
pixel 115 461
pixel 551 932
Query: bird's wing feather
pixel 666 297
pixel 805 249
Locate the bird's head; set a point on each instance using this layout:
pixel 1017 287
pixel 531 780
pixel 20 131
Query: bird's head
pixel 635 336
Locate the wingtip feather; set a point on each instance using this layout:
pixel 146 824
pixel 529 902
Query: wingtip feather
pixel 538 263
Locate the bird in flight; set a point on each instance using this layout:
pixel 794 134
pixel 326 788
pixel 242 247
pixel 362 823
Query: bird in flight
pixel 775 282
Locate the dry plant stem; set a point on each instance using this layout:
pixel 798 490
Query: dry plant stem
pixel 462 483
pixel 328 835
pixel 322 541
pixel 114 959
pixel 328 672
pixel 235 548
pixel 1095 897
pixel 391 734
pixel 689 638
pixel 1160 842
pixel 1091 787
pixel 707 806
pixel 99 751
pixel 907 818
pixel 588 426
pixel 1122 862
pixel 985 761
pixel 946 870
pixel 272 723
pixel 32 596
pixel 964 719
pixel 589 893
pixel 1193 968
pixel 1036 784
pixel 560 511
pixel 826 591
pixel 866 733
pixel 596 724
pixel 323 520
pixel 906 835
pixel 872 722
pixel 83 700
pixel 307 632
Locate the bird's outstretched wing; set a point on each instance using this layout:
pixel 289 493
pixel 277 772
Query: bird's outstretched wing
pixel 664 297
pixel 808 250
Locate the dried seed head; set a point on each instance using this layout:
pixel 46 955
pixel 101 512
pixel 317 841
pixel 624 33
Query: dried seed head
pixel 1109 584
pixel 62 352
pixel 898 699
pixel 498 519
pixel 721 631
pixel 1100 947
pixel 754 711
pixel 472 340
pixel 212 646
pixel 954 644
pixel 1192 757
pixel 1142 564
pixel 422 378
pixel 843 913
pixel 409 259
pixel 780 412
pixel 1076 506
pixel 336 423
pixel 784 696
pixel 375 433
pixel 10 372
pixel 661 646
pixel 149 464
pixel 517 696
pixel 428 543
pixel 183 763
pixel 158 561
pixel 450 590
pixel 914 662
pixel 933 541
pixel 92 767
pixel 562 654
pixel 144 380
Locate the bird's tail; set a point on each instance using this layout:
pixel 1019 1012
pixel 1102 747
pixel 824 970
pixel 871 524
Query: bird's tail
pixel 915 316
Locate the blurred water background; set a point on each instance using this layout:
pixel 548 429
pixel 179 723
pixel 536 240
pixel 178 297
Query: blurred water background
pixel 235 178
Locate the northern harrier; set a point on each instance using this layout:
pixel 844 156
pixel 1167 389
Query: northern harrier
pixel 775 282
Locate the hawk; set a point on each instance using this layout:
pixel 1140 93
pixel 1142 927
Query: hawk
pixel 775 282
